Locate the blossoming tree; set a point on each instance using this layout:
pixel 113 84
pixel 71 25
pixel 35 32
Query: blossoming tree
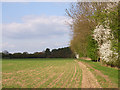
pixel 106 35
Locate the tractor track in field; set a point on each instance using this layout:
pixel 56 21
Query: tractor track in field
pixel 72 77
pixel 44 81
pixel 88 79
pixel 77 79
pixel 102 75
pixel 67 79
pixel 55 81
pixel 61 82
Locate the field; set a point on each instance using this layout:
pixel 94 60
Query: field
pixel 41 73
pixel 57 73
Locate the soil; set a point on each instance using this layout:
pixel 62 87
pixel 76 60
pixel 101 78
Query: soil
pixel 88 79
pixel 55 81
pixel 85 58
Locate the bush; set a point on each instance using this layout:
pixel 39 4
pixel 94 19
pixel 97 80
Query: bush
pixel 92 48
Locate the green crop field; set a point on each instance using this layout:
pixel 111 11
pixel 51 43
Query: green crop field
pixel 41 73
pixel 56 73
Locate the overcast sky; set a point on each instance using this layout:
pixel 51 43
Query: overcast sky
pixel 33 27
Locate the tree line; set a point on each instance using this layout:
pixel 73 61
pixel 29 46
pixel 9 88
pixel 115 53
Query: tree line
pixel 95 30
pixel 54 53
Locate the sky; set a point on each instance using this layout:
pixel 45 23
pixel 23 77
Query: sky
pixel 34 26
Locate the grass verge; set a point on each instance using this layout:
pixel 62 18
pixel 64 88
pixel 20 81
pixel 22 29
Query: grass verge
pixel 112 73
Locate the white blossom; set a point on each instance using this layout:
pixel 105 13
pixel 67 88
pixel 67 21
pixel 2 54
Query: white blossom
pixel 104 36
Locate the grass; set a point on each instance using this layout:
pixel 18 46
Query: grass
pixel 40 73
pixel 112 73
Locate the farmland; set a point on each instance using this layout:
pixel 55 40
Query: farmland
pixel 41 73
pixel 57 73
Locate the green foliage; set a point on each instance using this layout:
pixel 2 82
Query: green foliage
pixel 114 25
pixel 85 17
pixel 47 53
pixel 92 51
pixel 109 17
pixel 62 53
pixel 81 25
pixel 55 53
pixel 119 36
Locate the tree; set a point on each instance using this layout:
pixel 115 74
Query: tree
pixel 106 33
pixel 62 53
pixel 47 53
pixel 25 55
pixel 82 24
pixel 17 55
pixel 5 52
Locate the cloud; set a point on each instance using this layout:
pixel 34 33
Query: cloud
pixel 35 33
pixel 39 26
pixel 7 45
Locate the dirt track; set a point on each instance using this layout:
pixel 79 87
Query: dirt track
pixel 88 79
